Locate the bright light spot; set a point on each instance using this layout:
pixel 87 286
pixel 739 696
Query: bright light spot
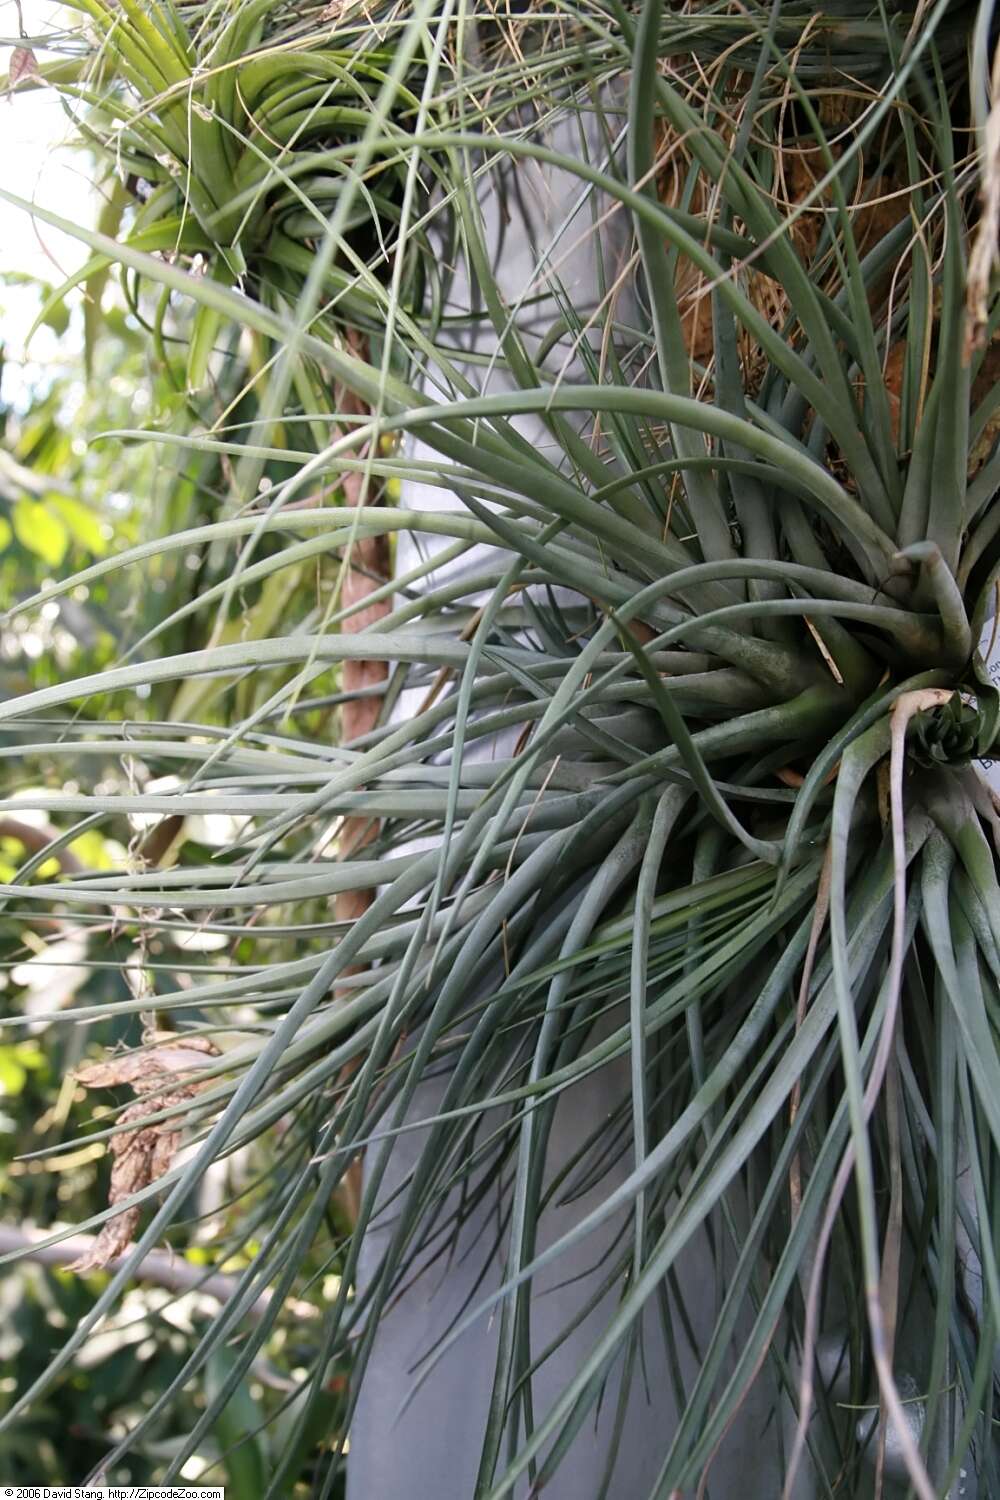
pixel 218 829
pixel 195 1467
pixel 52 978
pixel 157 786
pixel 201 942
pixel 40 167
pixel 35 817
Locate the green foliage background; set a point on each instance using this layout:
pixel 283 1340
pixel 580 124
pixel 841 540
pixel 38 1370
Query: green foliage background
pixel 67 502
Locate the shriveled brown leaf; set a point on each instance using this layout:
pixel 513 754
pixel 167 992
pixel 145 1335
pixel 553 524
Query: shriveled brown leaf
pixel 984 256
pixel 162 1076
pixel 23 64
pixel 114 1239
pixel 140 1156
pixel 150 1068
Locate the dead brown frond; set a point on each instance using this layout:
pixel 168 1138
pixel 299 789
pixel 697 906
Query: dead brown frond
pixel 161 1076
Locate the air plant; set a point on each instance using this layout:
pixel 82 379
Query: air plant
pixel 740 825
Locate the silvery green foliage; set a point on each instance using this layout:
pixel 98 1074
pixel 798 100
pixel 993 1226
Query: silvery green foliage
pixel 659 812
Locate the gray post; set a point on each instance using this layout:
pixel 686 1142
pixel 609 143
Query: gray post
pixel 433 1448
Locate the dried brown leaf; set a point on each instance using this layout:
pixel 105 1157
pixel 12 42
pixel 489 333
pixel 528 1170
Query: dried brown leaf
pixel 149 1069
pixel 23 64
pixel 114 1239
pixel 161 1076
pixel 984 257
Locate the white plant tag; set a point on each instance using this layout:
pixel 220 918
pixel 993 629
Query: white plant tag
pixel 989 645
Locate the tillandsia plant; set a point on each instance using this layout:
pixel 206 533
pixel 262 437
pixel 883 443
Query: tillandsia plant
pixel 234 131
pixel 725 634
